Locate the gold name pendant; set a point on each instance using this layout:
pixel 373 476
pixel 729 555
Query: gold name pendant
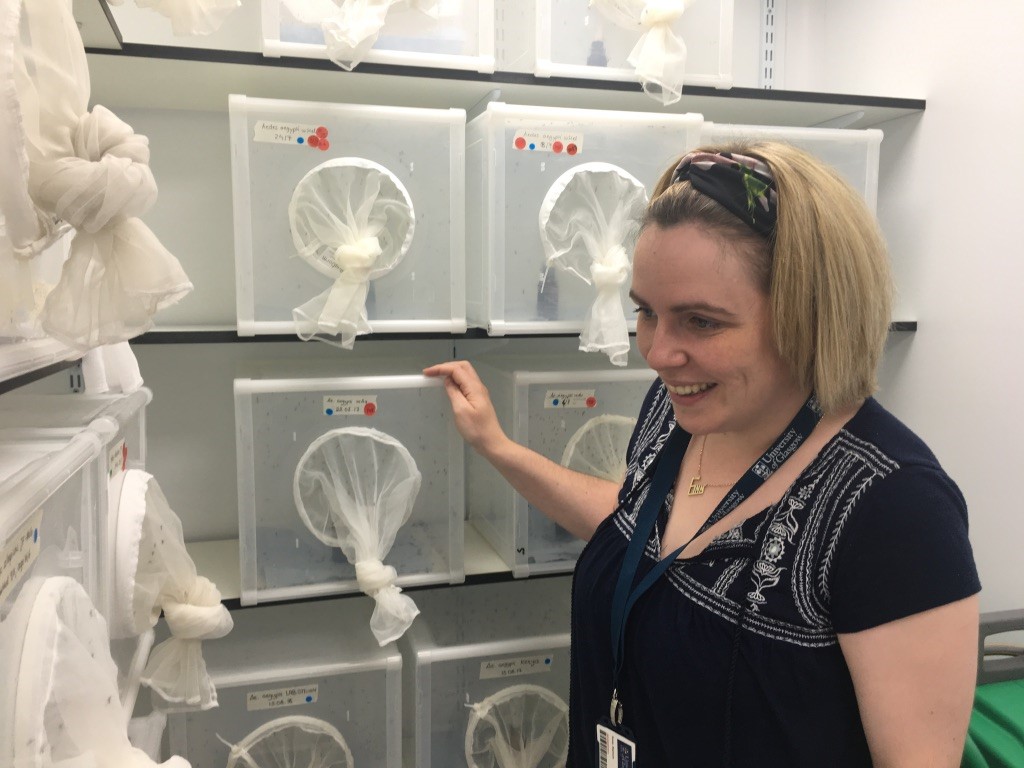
pixel 696 488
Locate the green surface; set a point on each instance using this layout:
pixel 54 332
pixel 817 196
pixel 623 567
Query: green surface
pixel 995 738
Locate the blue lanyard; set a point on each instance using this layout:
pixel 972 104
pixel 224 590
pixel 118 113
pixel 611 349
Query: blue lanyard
pixel 669 461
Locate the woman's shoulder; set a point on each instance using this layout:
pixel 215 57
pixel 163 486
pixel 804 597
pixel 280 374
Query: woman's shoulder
pixel 879 428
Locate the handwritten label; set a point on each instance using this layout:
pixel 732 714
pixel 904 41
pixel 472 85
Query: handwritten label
pixel 524 665
pixel 117 458
pixel 350 405
pixel 570 398
pixel 555 142
pixel 273 132
pixel 18 554
pixel 296 696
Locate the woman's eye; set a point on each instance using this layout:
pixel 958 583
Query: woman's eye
pixel 703 324
pixel 643 312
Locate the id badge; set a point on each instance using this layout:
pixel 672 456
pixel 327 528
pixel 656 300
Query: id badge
pixel 613 749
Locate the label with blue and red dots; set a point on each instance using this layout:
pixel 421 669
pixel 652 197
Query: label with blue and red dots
pixel 570 398
pixel 299 135
pixel 554 142
pixel 350 405
pixel 18 554
pixel 523 665
pixel 295 696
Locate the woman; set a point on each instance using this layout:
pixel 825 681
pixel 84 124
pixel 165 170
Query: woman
pixel 800 590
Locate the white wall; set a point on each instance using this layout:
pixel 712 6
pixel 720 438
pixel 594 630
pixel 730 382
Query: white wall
pixel 949 206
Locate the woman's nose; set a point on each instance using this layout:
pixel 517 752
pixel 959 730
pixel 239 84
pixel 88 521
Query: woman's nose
pixel 664 349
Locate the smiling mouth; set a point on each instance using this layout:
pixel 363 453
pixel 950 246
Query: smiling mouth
pixel 689 389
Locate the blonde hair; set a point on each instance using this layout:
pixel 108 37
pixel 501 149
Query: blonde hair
pixel 825 272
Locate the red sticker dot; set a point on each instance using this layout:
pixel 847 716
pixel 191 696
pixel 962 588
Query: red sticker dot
pixel 556 147
pixel 321 132
pixel 313 141
pixel 369 409
pixel 572 149
pixel 591 401
pixel 520 142
pixel 324 145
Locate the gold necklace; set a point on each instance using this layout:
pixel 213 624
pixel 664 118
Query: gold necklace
pixel 697 488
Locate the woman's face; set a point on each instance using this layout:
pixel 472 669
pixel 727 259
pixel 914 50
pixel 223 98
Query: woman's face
pixel 703 324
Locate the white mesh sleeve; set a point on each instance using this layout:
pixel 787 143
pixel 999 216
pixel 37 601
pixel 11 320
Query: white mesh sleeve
pixel 354 488
pixel 589 221
pixel 659 55
pixel 296 742
pixel 523 726
pixel 598 448
pixel 352 220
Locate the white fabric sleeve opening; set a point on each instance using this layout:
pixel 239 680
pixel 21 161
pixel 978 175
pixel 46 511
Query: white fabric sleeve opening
pixel 296 741
pixel 523 726
pixel 598 448
pixel 589 221
pixel 354 488
pixel 63 683
pixel 659 55
pixel 352 220
pixel 152 572
pixel 190 17
pixel 351 27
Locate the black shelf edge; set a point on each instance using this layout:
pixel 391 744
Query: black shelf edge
pixel 8 385
pixel 235 604
pixel 254 58
pixel 230 337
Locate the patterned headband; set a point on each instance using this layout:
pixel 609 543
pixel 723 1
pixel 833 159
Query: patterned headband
pixel 744 185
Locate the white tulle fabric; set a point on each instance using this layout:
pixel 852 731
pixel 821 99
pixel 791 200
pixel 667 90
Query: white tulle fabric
pixel 25 283
pixel 659 56
pixel 351 27
pixel 295 742
pixel 111 368
pixel 352 220
pixel 190 17
pixel 354 488
pixel 88 170
pixel 589 221
pixel 598 448
pixel 152 572
pixel 523 726
pixel 61 689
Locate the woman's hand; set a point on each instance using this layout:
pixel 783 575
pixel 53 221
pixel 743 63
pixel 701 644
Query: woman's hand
pixel 475 417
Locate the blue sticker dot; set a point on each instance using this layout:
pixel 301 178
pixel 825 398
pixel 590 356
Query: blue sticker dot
pixel 35 536
pixel 301 140
pixel 547 661
pixel 555 401
pixel 532 145
pixel 309 699
pixel 330 411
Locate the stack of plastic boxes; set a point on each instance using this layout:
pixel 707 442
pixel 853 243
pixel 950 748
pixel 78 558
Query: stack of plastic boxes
pixel 277 419
pixel 474 643
pixel 274 144
pixel 542 401
pixel 309 660
pixel 454 35
pixel 514 155
pixel 854 153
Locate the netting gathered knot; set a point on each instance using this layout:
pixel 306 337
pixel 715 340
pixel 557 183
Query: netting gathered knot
pixel 659 56
pixel 354 488
pixel 351 27
pixel 589 221
pixel 351 220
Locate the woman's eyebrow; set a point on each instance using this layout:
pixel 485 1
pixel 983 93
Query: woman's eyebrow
pixel 689 306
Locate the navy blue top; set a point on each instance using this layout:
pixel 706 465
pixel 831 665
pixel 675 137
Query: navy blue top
pixel 871 531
